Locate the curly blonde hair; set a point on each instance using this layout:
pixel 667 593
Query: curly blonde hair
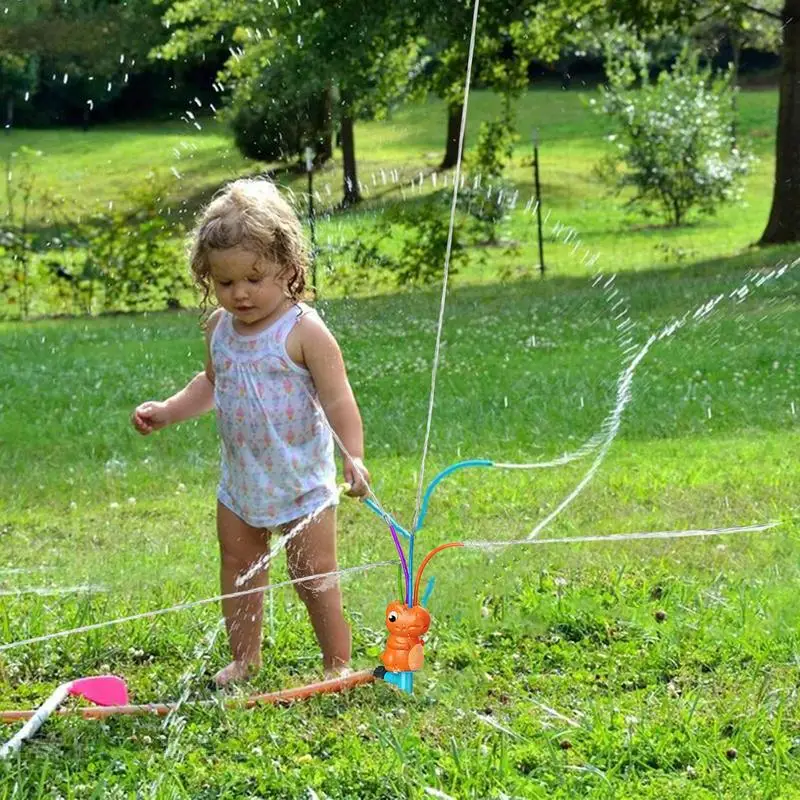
pixel 251 213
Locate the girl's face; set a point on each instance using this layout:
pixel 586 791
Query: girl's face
pixel 246 285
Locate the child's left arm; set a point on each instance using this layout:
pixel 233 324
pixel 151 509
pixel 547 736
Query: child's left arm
pixel 323 359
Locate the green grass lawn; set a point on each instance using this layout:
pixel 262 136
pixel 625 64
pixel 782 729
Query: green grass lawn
pixel 548 673
pixel 652 669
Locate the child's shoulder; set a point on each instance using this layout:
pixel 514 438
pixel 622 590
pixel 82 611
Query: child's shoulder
pixel 310 335
pixel 310 323
pixel 213 320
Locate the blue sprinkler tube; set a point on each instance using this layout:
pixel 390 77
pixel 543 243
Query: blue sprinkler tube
pixel 473 462
pixel 423 509
pixel 372 506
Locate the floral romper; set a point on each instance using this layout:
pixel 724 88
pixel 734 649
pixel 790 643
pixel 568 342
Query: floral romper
pixel 277 449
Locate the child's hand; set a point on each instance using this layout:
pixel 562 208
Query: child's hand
pixel 150 416
pixel 357 475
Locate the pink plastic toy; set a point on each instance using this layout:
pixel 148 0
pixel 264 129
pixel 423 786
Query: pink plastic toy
pixel 102 690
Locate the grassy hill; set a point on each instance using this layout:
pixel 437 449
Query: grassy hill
pixel 89 171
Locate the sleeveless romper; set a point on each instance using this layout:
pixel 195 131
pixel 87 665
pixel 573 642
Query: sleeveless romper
pixel 277 450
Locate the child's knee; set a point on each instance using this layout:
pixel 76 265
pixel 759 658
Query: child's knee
pixel 233 559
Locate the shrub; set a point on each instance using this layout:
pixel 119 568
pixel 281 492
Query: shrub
pixel 135 256
pixel 406 247
pixel 487 199
pixel 17 241
pixel 674 142
pixel 114 260
pixel 361 265
pixel 274 116
pixel 426 226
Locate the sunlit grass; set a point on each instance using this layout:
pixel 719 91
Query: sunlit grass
pixel 548 671
pixel 648 708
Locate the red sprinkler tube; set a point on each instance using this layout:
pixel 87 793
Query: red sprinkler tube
pixel 424 563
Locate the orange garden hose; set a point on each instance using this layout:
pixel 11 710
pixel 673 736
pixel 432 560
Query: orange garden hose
pixel 283 696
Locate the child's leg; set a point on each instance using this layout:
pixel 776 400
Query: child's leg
pixel 313 552
pixel 241 545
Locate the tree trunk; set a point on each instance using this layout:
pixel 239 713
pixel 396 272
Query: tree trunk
pixel 352 192
pixel 736 47
pixel 453 130
pixel 326 145
pixel 9 113
pixel 784 218
pixel 322 120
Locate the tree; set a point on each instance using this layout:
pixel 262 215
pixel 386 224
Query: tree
pixel 356 54
pixel 275 114
pixel 511 35
pixel 736 26
pixel 368 53
pixel 733 27
pixel 84 49
pixel 784 218
pixel 764 21
pixel 508 37
pixel 18 77
pixel 682 15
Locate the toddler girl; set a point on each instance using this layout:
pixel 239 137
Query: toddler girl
pixel 271 365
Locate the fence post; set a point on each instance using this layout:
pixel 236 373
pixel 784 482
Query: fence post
pixel 311 218
pixel 538 199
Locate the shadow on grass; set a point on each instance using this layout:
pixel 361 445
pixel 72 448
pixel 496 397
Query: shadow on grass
pixel 730 269
pixel 653 288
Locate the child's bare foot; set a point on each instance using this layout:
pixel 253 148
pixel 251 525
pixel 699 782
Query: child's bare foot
pixel 235 671
pixel 340 671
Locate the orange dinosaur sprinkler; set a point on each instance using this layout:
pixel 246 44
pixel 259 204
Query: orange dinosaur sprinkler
pixel 407 624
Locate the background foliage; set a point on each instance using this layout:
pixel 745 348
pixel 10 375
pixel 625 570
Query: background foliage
pixel 675 142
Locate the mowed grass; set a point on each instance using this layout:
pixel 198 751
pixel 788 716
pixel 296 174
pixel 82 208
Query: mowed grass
pixel 549 672
pixel 107 164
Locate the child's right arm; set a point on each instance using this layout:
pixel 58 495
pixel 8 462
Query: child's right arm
pixel 196 398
